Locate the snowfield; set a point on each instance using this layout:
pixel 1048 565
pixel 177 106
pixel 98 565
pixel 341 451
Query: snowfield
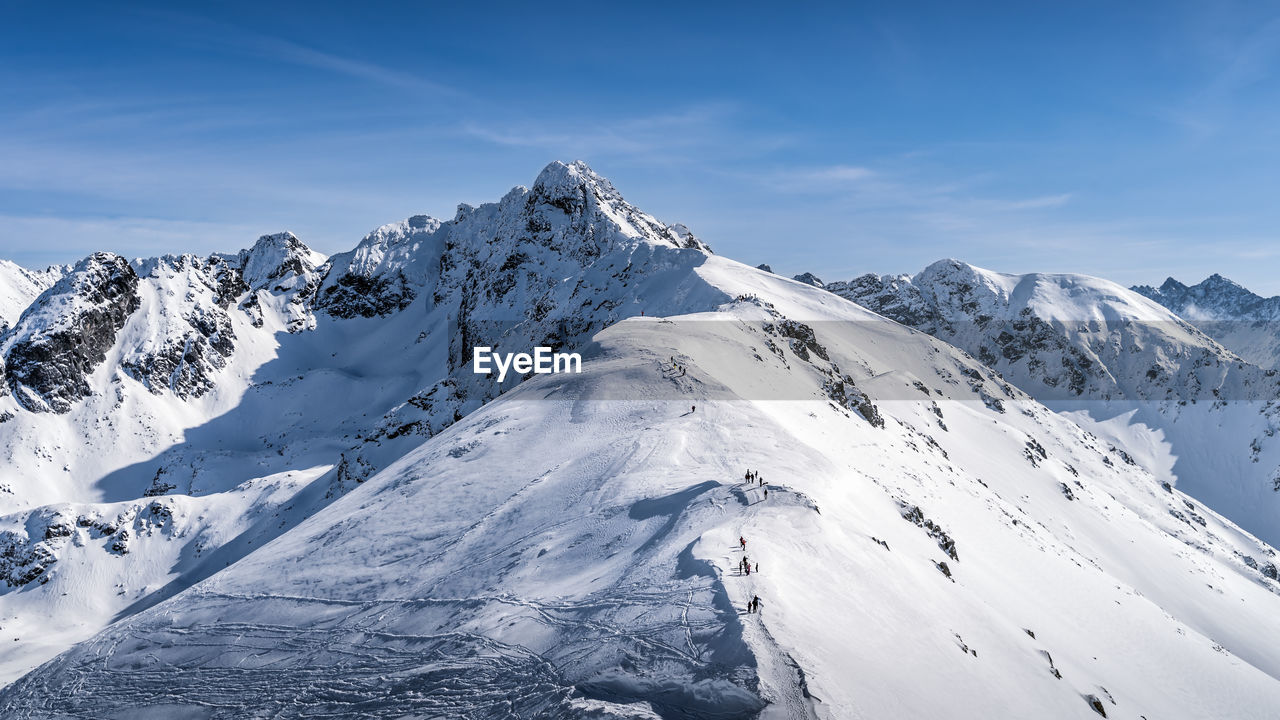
pixel 338 542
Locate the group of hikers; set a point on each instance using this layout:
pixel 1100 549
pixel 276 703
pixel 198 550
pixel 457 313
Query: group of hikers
pixel 676 368
pixel 744 565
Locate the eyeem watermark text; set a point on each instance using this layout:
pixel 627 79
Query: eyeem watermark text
pixel 543 361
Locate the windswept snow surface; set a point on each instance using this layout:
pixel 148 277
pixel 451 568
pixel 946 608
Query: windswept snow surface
pixel 934 543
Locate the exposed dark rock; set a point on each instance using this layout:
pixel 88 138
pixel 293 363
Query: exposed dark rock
pixel 65 335
pixel 809 279
pixel 159 486
pixel 802 339
pixel 359 296
pixel 120 542
pixel 1034 452
pixel 913 514
pixel 843 392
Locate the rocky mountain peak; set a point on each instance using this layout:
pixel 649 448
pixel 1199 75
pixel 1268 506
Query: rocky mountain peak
pixel 1215 298
pixel 276 256
pixel 1233 315
pixel 566 181
pixel 809 279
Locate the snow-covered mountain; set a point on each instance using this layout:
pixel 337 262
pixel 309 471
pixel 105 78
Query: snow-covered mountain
pixel 19 286
pixel 1190 410
pixel 233 395
pixel 317 509
pixel 1243 321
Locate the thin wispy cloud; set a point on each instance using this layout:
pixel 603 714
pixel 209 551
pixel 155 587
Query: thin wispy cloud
pixel 697 133
pixel 1238 62
pixel 1044 201
pixel 292 52
pixel 228 37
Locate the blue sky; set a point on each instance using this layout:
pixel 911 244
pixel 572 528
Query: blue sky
pixel 1127 140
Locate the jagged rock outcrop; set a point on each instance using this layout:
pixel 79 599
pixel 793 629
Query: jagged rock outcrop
pixel 374 279
pixel 1215 297
pixel 65 334
pixel 189 335
pixel 893 296
pixel 281 271
pixel 809 279
pixel 547 265
pixel 165 321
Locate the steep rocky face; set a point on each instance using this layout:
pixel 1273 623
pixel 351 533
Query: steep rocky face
pixel 59 340
pixel 1243 321
pixel 282 272
pixel 185 334
pixel 277 258
pixel 553 263
pixel 893 296
pixel 167 319
pixel 570 213
pixel 384 273
pixel 545 266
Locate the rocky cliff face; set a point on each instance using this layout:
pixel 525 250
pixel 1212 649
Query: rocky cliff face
pixel 65 335
pixel 545 266
pixel 281 272
pixel 184 335
pixel 164 321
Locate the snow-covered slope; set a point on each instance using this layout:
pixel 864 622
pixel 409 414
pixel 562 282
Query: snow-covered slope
pixel 236 394
pixel 1243 321
pixel 934 543
pixel 1190 410
pixel 19 286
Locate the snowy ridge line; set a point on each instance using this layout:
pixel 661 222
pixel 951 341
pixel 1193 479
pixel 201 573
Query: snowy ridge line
pixel 783 684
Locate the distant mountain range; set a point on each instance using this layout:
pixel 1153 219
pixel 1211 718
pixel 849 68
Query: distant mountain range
pixel 1245 322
